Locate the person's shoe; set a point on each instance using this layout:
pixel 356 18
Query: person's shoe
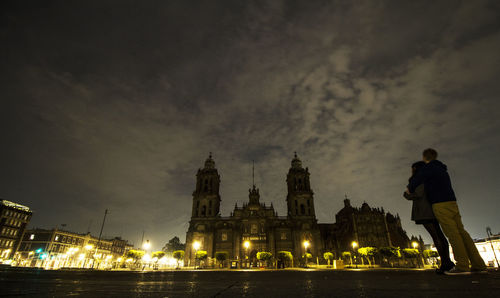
pixel 479 271
pixel 456 271
pixel 444 268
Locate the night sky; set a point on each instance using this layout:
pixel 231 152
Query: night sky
pixel 116 104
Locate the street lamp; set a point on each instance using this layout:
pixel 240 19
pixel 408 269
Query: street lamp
pixel 246 244
pixel 306 245
pixel 196 246
pixel 146 245
pixel 354 245
pixel 415 245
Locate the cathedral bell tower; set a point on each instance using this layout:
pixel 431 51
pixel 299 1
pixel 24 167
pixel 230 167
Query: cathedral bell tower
pixel 206 198
pixel 299 199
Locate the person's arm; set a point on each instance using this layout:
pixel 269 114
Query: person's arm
pixel 410 196
pixel 416 181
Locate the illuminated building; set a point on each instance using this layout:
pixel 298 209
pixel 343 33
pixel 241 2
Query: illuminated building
pixel 58 248
pixel 13 220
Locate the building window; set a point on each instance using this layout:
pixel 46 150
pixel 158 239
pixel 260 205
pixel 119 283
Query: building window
pixel 224 236
pixel 57 238
pixel 32 236
pixel 302 209
pixel 253 229
pixel 283 236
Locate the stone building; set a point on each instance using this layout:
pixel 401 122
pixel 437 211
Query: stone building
pixel 367 227
pixel 255 227
pixel 254 223
pixel 56 248
pixel 13 221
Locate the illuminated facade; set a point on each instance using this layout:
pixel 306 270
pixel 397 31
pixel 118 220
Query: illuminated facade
pixel 57 248
pixel 255 227
pixel 13 220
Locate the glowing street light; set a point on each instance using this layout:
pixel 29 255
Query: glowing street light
pixel 306 245
pixel 146 245
pixel 196 245
pixel 354 245
pixel 89 246
pixel 414 244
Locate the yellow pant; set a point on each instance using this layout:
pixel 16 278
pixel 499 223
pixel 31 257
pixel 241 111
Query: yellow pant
pixel 464 249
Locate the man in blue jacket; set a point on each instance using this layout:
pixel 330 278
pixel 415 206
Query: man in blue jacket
pixel 440 194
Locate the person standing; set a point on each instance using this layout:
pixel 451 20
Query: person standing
pixel 440 194
pixel 422 214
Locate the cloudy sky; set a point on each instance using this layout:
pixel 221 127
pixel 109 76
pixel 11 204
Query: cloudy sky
pixel 117 104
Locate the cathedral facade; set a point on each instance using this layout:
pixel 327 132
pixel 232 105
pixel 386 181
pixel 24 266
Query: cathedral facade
pixel 255 227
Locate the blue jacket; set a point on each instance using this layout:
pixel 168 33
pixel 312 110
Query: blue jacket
pixel 437 182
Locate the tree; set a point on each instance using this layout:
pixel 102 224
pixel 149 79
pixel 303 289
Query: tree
pixel 347 254
pixel 221 256
pixel 178 255
pixel 284 257
pixel 390 253
pixel 135 254
pixel 201 255
pixel 429 253
pixel 410 253
pixel 158 254
pixel 173 245
pixel 328 256
pixel 264 256
pixel 368 252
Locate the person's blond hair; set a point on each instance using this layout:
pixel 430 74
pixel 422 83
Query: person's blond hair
pixel 430 154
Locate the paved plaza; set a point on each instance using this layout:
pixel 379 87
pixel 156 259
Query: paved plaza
pixel 264 283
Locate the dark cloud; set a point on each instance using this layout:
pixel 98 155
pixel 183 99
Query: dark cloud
pixel 116 105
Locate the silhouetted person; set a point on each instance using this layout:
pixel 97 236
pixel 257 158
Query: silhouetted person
pixel 440 194
pixel 422 214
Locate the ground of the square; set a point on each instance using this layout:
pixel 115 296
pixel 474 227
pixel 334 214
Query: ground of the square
pixel 264 283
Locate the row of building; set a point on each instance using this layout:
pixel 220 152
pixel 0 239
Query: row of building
pixel 53 248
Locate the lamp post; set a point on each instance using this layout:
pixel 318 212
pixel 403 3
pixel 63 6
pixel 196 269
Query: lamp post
pixel 354 245
pixel 415 245
pixel 306 245
pixel 196 246
pixel 246 244
pixel 146 246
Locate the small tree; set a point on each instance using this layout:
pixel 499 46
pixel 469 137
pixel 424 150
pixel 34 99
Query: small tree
pixel 410 253
pixel 390 252
pixel 431 256
pixel 368 252
pixel 201 255
pixel 221 256
pixel 328 256
pixel 136 255
pixel 284 257
pixel 347 255
pixel 178 255
pixel 173 245
pixel 429 253
pixel 264 256
pixel 158 254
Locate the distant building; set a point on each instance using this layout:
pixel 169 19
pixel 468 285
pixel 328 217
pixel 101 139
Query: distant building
pixel 255 227
pixel 489 249
pixel 367 227
pixel 13 220
pixel 57 248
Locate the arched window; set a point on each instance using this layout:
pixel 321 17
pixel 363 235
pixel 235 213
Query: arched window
pixel 203 210
pixel 302 209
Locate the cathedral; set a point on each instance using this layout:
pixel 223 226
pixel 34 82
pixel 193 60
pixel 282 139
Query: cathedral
pixel 255 227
